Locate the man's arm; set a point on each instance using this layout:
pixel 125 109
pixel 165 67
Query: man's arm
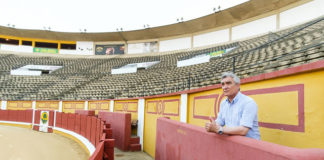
pixel 240 130
pixel 213 126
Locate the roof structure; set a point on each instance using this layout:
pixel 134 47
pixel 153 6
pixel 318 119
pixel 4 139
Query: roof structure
pixel 221 18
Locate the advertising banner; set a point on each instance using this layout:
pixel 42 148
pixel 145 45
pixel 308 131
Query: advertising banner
pixel 217 53
pixel 45 50
pixel 110 49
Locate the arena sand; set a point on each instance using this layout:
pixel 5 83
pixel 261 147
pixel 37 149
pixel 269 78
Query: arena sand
pixel 26 144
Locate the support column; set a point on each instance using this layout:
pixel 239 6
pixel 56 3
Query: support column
pixel 230 33
pixel 34 105
pixel 278 21
pixel 86 105
pixel 140 124
pixel 60 106
pixel 4 105
pixel 183 109
pixel 192 41
pixel 54 118
pixel 111 106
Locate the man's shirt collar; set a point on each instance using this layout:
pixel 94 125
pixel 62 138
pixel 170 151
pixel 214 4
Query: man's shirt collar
pixel 235 99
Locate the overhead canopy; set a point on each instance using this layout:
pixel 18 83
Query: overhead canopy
pixel 229 16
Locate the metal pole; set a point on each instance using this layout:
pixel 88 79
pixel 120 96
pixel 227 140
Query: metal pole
pixel 189 80
pixel 164 87
pixel 233 64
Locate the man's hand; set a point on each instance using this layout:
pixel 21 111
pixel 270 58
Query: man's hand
pixel 212 126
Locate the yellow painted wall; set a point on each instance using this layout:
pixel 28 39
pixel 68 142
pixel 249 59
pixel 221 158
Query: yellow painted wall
pixel 47 105
pixel 71 106
pixel 19 105
pixel 129 106
pixel 155 108
pixel 282 102
pixel 202 105
pixel 99 106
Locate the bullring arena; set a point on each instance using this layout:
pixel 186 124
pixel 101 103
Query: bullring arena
pixel 146 94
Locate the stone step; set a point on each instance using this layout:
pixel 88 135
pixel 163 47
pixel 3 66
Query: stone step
pixel 134 140
pixel 135 147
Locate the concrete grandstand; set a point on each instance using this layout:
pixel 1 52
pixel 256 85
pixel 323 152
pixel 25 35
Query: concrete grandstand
pixel 279 58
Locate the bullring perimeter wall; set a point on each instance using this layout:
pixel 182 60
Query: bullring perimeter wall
pixel 290 107
pixel 182 141
pixel 127 106
pixel 85 130
pixel 168 106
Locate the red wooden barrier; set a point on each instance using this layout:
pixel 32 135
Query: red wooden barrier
pixel 121 127
pixel 85 112
pixel 109 148
pixel 12 115
pixel 98 154
pixel 17 115
pixel 65 120
pixel 21 116
pixel 101 128
pixel 97 131
pixel 88 126
pixel 83 128
pixel 58 122
pixel 51 119
pixel 88 130
pixel 71 122
pixel 77 126
pixel 176 140
pixel 29 116
pixel 37 117
pixel 4 115
pixel 93 130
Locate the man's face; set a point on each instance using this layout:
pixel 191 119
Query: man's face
pixel 230 88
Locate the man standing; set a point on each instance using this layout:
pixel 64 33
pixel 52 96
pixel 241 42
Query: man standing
pixel 238 113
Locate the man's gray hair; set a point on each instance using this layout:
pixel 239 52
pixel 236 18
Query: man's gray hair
pixel 230 74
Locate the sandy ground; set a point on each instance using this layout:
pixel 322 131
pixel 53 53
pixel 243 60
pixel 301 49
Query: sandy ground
pixel 25 144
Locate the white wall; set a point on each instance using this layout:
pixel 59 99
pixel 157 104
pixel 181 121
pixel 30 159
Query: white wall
pixel 302 13
pixel 84 48
pixel 135 48
pixel 140 124
pixel 28 49
pixel 146 47
pixel 3 105
pixel 68 51
pixel 256 27
pixel 211 38
pixel 16 48
pixel 175 44
pixel 194 61
pixel 184 107
pixel 111 106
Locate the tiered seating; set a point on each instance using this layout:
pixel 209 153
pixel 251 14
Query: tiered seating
pixel 91 78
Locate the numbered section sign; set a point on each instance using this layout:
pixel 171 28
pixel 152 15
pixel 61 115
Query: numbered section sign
pixel 43 125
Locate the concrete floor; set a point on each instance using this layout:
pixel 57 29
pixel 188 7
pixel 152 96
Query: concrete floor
pixel 120 155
